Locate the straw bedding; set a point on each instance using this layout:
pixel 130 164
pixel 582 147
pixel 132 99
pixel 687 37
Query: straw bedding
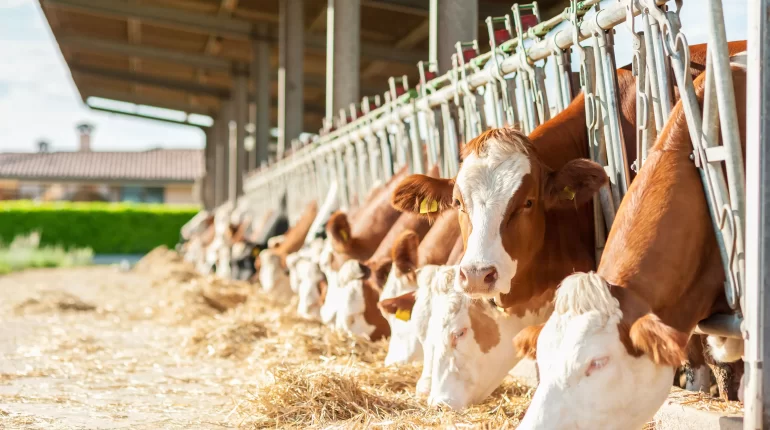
pixel 309 376
pixel 306 374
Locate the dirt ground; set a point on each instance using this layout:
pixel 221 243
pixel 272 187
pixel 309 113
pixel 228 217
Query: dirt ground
pixel 80 348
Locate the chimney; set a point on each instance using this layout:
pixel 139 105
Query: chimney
pixel 42 146
pixel 85 129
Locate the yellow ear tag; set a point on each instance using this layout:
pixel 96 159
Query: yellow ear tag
pixel 428 206
pixel 344 235
pixel 404 314
pixel 255 252
pixel 569 193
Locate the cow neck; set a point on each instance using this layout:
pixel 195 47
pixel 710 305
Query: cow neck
pixel 564 250
pixel 669 256
pixel 294 238
pixel 372 314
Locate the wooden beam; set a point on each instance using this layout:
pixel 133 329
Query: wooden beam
pixel 213 44
pixel 227 27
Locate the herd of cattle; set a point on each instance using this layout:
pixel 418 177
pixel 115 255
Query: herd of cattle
pixel 470 274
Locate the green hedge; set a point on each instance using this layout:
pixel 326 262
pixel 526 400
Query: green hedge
pixel 106 228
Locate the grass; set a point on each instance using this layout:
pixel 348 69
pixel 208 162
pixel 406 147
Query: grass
pixel 25 252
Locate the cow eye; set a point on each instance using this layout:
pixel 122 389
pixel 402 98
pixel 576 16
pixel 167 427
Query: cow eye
pixel 528 204
pixel 596 365
pixel 457 203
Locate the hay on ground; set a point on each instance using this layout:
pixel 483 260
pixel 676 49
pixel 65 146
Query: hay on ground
pixel 53 301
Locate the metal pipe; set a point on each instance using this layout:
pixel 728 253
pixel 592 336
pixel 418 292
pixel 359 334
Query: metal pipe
pixel 723 325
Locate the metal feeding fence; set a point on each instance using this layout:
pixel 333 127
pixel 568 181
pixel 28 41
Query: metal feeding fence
pixel 428 124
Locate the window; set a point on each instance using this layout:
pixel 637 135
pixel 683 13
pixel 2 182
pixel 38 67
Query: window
pixel 138 194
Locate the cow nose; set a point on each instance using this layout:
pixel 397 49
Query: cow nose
pixel 477 279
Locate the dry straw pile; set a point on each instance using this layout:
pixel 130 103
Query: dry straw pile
pixel 307 375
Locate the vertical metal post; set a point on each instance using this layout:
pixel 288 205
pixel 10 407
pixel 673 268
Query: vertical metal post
pixel 232 164
pixel 757 295
pixel 290 77
pixel 260 72
pixel 209 179
pixel 222 154
pixel 343 51
pixel 240 117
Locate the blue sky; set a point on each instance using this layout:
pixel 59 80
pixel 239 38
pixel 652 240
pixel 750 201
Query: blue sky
pixel 38 99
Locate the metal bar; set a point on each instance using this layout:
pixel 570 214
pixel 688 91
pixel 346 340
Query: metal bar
pixel 725 325
pixel 756 304
pixel 139 115
pixel 140 99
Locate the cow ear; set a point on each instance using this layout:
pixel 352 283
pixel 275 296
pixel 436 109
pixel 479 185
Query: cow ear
pixel 338 229
pixel 404 252
pixel 423 195
pixel 381 271
pixel 665 345
pixel 393 305
pixel 525 342
pixel 574 184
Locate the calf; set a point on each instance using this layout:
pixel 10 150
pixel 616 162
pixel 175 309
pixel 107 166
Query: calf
pixel 660 275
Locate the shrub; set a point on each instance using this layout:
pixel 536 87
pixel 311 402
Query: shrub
pixel 106 228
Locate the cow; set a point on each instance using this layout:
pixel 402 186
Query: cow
pixel 408 255
pixel 661 273
pixel 273 275
pixel 196 225
pixel 467 343
pixel 363 294
pixel 356 242
pixel 259 234
pixel 524 204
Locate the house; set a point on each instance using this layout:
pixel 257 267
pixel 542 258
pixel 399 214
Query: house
pixel 155 176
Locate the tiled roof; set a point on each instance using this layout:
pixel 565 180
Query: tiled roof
pixel 173 165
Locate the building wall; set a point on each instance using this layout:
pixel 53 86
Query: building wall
pixel 180 194
pixel 43 191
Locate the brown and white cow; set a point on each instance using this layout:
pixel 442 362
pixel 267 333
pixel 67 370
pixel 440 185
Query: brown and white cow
pixel 660 274
pixel 273 275
pixel 409 254
pixel 525 203
pixel 358 241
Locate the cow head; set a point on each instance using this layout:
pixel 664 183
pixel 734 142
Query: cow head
pixel 291 264
pixel 408 312
pixel 357 311
pixel 503 193
pixel 311 289
pixel 344 246
pixel 273 275
pixel 466 355
pixel 599 335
